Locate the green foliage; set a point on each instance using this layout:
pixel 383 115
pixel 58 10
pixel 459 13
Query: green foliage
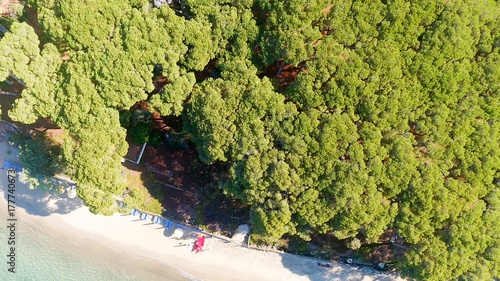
pixel 289 33
pixel 125 116
pixel 391 122
pixel 396 128
pixel 232 28
pixel 33 182
pixel 99 202
pixel 139 127
pixel 17 138
pixel 16 8
pixel 232 110
pixel 140 132
pixel 136 195
pixel 354 244
pixel 133 197
pixel 20 55
pixel 8 21
pixel 110 50
pixel 156 138
pixel 41 156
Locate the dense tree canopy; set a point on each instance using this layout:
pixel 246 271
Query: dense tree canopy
pixel 391 121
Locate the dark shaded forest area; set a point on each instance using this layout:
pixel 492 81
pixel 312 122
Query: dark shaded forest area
pixel 351 123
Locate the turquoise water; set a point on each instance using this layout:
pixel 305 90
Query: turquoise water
pixel 40 257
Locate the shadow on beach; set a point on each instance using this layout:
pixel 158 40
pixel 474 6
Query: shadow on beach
pixel 41 203
pixel 308 267
pixel 35 201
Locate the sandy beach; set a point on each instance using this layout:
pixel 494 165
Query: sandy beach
pixel 138 241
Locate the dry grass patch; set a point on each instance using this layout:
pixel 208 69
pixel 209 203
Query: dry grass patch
pixel 139 184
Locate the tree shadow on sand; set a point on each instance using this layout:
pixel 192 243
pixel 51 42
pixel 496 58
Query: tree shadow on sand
pixel 308 267
pixel 35 201
pixel 41 203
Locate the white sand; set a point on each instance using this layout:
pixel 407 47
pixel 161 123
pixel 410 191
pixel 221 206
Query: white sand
pixel 67 218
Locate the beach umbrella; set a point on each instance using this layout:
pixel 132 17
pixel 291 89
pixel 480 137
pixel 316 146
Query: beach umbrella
pixel 72 193
pixel 178 233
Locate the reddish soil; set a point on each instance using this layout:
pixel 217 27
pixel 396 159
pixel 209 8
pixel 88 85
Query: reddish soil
pixel 382 253
pixel 182 169
pixel 207 71
pixel 133 150
pixel 331 245
pixel 6 104
pixel 158 123
pixel 327 10
pixel 260 15
pixel 333 248
pixel 56 135
pixel 5 7
pixel 158 82
pixel 287 75
pixel 172 166
pixel 33 21
pixel 165 123
pixel 14 87
pixel 176 165
pixel 140 105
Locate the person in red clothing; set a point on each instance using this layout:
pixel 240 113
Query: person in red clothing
pixel 199 243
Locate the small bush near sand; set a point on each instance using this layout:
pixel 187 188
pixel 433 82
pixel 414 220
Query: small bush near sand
pixel 354 244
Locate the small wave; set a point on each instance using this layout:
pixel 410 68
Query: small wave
pixel 188 276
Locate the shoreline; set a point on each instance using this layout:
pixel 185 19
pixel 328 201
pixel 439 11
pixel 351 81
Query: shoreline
pixel 134 241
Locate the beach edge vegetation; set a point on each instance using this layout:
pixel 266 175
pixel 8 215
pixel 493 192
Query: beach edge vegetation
pixel 350 118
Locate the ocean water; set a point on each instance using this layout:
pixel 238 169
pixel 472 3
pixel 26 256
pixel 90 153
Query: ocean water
pixel 40 256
